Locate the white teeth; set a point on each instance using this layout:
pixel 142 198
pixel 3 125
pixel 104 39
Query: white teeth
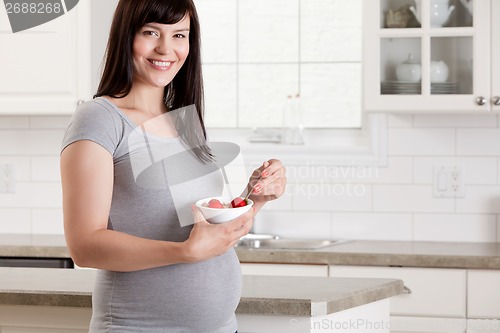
pixel 161 63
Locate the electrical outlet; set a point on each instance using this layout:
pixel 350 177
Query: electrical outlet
pixel 7 178
pixel 449 182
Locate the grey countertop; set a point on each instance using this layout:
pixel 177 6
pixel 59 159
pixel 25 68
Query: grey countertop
pixel 385 253
pixel 270 295
pixel 375 253
pixel 33 246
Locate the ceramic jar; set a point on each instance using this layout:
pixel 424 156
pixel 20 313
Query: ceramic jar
pixel 439 71
pixel 409 70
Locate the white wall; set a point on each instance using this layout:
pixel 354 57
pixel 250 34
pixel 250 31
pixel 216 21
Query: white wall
pixel 393 202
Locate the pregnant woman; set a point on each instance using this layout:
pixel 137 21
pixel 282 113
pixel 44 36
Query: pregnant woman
pixel 156 273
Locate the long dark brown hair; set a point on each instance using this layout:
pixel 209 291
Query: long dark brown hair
pixel 187 86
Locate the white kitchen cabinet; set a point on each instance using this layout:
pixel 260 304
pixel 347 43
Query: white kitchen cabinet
pixel 284 269
pixel 435 299
pixel 46 69
pixel 464 43
pixel 483 326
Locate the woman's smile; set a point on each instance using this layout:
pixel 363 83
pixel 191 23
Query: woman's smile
pixel 161 64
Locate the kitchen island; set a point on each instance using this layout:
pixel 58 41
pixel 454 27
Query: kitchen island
pixel 452 284
pixel 58 300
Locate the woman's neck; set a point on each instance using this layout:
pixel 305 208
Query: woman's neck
pixel 145 99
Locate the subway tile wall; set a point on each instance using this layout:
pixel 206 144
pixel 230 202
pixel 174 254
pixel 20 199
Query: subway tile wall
pixel 392 202
pixel 396 202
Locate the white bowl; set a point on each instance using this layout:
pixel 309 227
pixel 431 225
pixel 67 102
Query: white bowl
pixel 221 215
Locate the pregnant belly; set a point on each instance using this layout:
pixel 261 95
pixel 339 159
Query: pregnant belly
pixel 200 297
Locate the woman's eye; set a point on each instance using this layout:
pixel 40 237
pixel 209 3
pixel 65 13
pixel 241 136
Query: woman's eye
pixel 179 36
pixel 150 33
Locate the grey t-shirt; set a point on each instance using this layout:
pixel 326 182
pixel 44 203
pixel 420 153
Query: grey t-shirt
pixel 196 297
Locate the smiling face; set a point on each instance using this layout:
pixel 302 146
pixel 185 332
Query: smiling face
pixel 159 51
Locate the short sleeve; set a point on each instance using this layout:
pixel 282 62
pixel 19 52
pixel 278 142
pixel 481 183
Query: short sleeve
pixel 93 121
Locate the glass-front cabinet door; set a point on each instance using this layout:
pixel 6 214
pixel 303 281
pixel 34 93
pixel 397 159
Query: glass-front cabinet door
pixel 427 56
pixel 495 55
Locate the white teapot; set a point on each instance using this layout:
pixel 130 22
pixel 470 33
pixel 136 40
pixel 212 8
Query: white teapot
pixel 440 11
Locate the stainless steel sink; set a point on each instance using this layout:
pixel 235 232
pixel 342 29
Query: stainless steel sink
pixel 287 243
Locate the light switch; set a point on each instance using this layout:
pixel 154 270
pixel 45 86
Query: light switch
pixel 442 181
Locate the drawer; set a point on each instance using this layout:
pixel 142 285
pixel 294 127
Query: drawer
pixel 433 292
pixel 483 294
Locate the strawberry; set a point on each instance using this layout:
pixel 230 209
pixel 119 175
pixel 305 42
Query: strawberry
pixel 214 203
pixel 238 202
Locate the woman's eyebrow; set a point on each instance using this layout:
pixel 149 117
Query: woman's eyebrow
pixel 155 26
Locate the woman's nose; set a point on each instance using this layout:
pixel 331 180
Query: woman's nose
pixel 163 47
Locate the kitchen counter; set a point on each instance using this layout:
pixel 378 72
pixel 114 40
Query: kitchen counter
pixel 373 253
pixel 294 296
pixel 385 253
pixel 33 246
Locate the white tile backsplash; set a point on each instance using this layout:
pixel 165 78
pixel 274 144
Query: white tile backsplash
pixel 294 224
pixel 21 164
pixel 12 122
pixel 30 142
pixel 409 199
pixel 476 170
pixel 477 142
pixel 33 195
pixel 421 141
pixel 323 197
pixel 372 226
pixel 455 227
pixel 15 221
pixel 480 200
pixel 45 169
pixel 52 122
pixel 393 202
pixel 47 221
pixel 400 120
pixel 457 120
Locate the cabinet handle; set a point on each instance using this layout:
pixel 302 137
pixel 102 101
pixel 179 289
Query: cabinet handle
pixel 481 100
pixel 406 290
pixel 80 102
pixel 496 100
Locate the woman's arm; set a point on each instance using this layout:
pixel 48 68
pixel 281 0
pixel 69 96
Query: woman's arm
pixel 87 183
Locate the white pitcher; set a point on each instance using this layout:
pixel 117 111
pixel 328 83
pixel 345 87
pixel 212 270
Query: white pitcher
pixel 440 11
pixel 415 9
